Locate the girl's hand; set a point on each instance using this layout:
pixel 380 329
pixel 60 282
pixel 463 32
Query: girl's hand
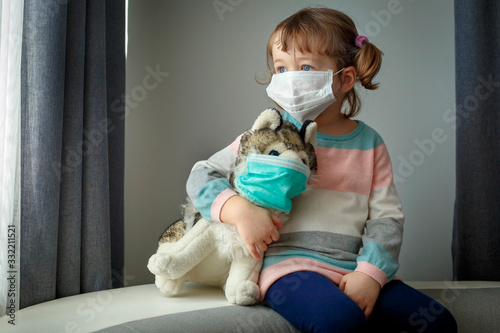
pixel 256 225
pixel 362 289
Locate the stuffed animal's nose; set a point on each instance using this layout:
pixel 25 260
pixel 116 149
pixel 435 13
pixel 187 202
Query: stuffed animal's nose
pixel 291 155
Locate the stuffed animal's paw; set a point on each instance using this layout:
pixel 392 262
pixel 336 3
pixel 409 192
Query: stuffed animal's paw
pixel 246 293
pixel 170 287
pixel 158 264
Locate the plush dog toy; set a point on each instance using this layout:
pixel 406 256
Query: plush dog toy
pixel 194 249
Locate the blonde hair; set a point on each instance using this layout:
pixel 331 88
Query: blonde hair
pixel 331 33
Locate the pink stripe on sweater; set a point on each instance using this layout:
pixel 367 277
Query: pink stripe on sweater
pixel 269 275
pixel 383 166
pixel 235 146
pixel 353 170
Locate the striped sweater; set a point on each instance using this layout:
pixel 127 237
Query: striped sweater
pixel 349 220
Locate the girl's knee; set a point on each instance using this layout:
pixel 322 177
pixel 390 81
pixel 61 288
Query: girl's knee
pixel 440 320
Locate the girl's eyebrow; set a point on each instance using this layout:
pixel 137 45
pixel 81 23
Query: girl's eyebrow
pixel 298 58
pixel 309 57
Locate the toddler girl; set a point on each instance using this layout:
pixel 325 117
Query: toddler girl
pixel 332 265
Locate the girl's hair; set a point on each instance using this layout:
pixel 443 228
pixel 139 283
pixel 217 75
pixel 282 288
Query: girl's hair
pixel 331 33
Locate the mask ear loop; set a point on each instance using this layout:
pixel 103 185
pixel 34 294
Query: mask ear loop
pixel 337 72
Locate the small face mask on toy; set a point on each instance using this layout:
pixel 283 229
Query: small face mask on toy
pixel 273 181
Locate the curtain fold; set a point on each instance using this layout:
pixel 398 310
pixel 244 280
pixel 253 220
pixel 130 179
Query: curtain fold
pixel 73 70
pixel 11 23
pixel 476 231
pixel 115 92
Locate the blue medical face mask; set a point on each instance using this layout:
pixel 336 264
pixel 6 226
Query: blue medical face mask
pixel 272 181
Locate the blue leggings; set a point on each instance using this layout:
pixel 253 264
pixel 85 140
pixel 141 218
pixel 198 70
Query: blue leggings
pixel 313 303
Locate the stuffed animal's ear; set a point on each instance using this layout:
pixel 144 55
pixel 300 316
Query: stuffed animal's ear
pixel 269 118
pixel 308 132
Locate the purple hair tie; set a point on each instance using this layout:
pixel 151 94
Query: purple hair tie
pixel 360 39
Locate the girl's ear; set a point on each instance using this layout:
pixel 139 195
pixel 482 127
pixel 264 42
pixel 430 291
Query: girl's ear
pixel 349 76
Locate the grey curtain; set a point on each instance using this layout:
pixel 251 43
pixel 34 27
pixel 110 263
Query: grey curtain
pixel 476 233
pixel 72 148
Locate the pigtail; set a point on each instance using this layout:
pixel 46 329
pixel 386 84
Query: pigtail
pixel 367 62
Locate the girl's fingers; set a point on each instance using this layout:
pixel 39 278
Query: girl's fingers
pixel 276 221
pixel 275 235
pixel 254 252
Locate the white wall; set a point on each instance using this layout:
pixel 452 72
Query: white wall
pixel 204 95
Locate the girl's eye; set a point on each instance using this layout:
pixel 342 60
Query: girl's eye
pixel 306 68
pixel 282 69
pixel 274 153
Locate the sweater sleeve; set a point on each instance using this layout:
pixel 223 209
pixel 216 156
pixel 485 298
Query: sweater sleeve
pixel 384 228
pixel 208 186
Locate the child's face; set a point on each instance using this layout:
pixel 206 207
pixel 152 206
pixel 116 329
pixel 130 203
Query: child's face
pixel 295 60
